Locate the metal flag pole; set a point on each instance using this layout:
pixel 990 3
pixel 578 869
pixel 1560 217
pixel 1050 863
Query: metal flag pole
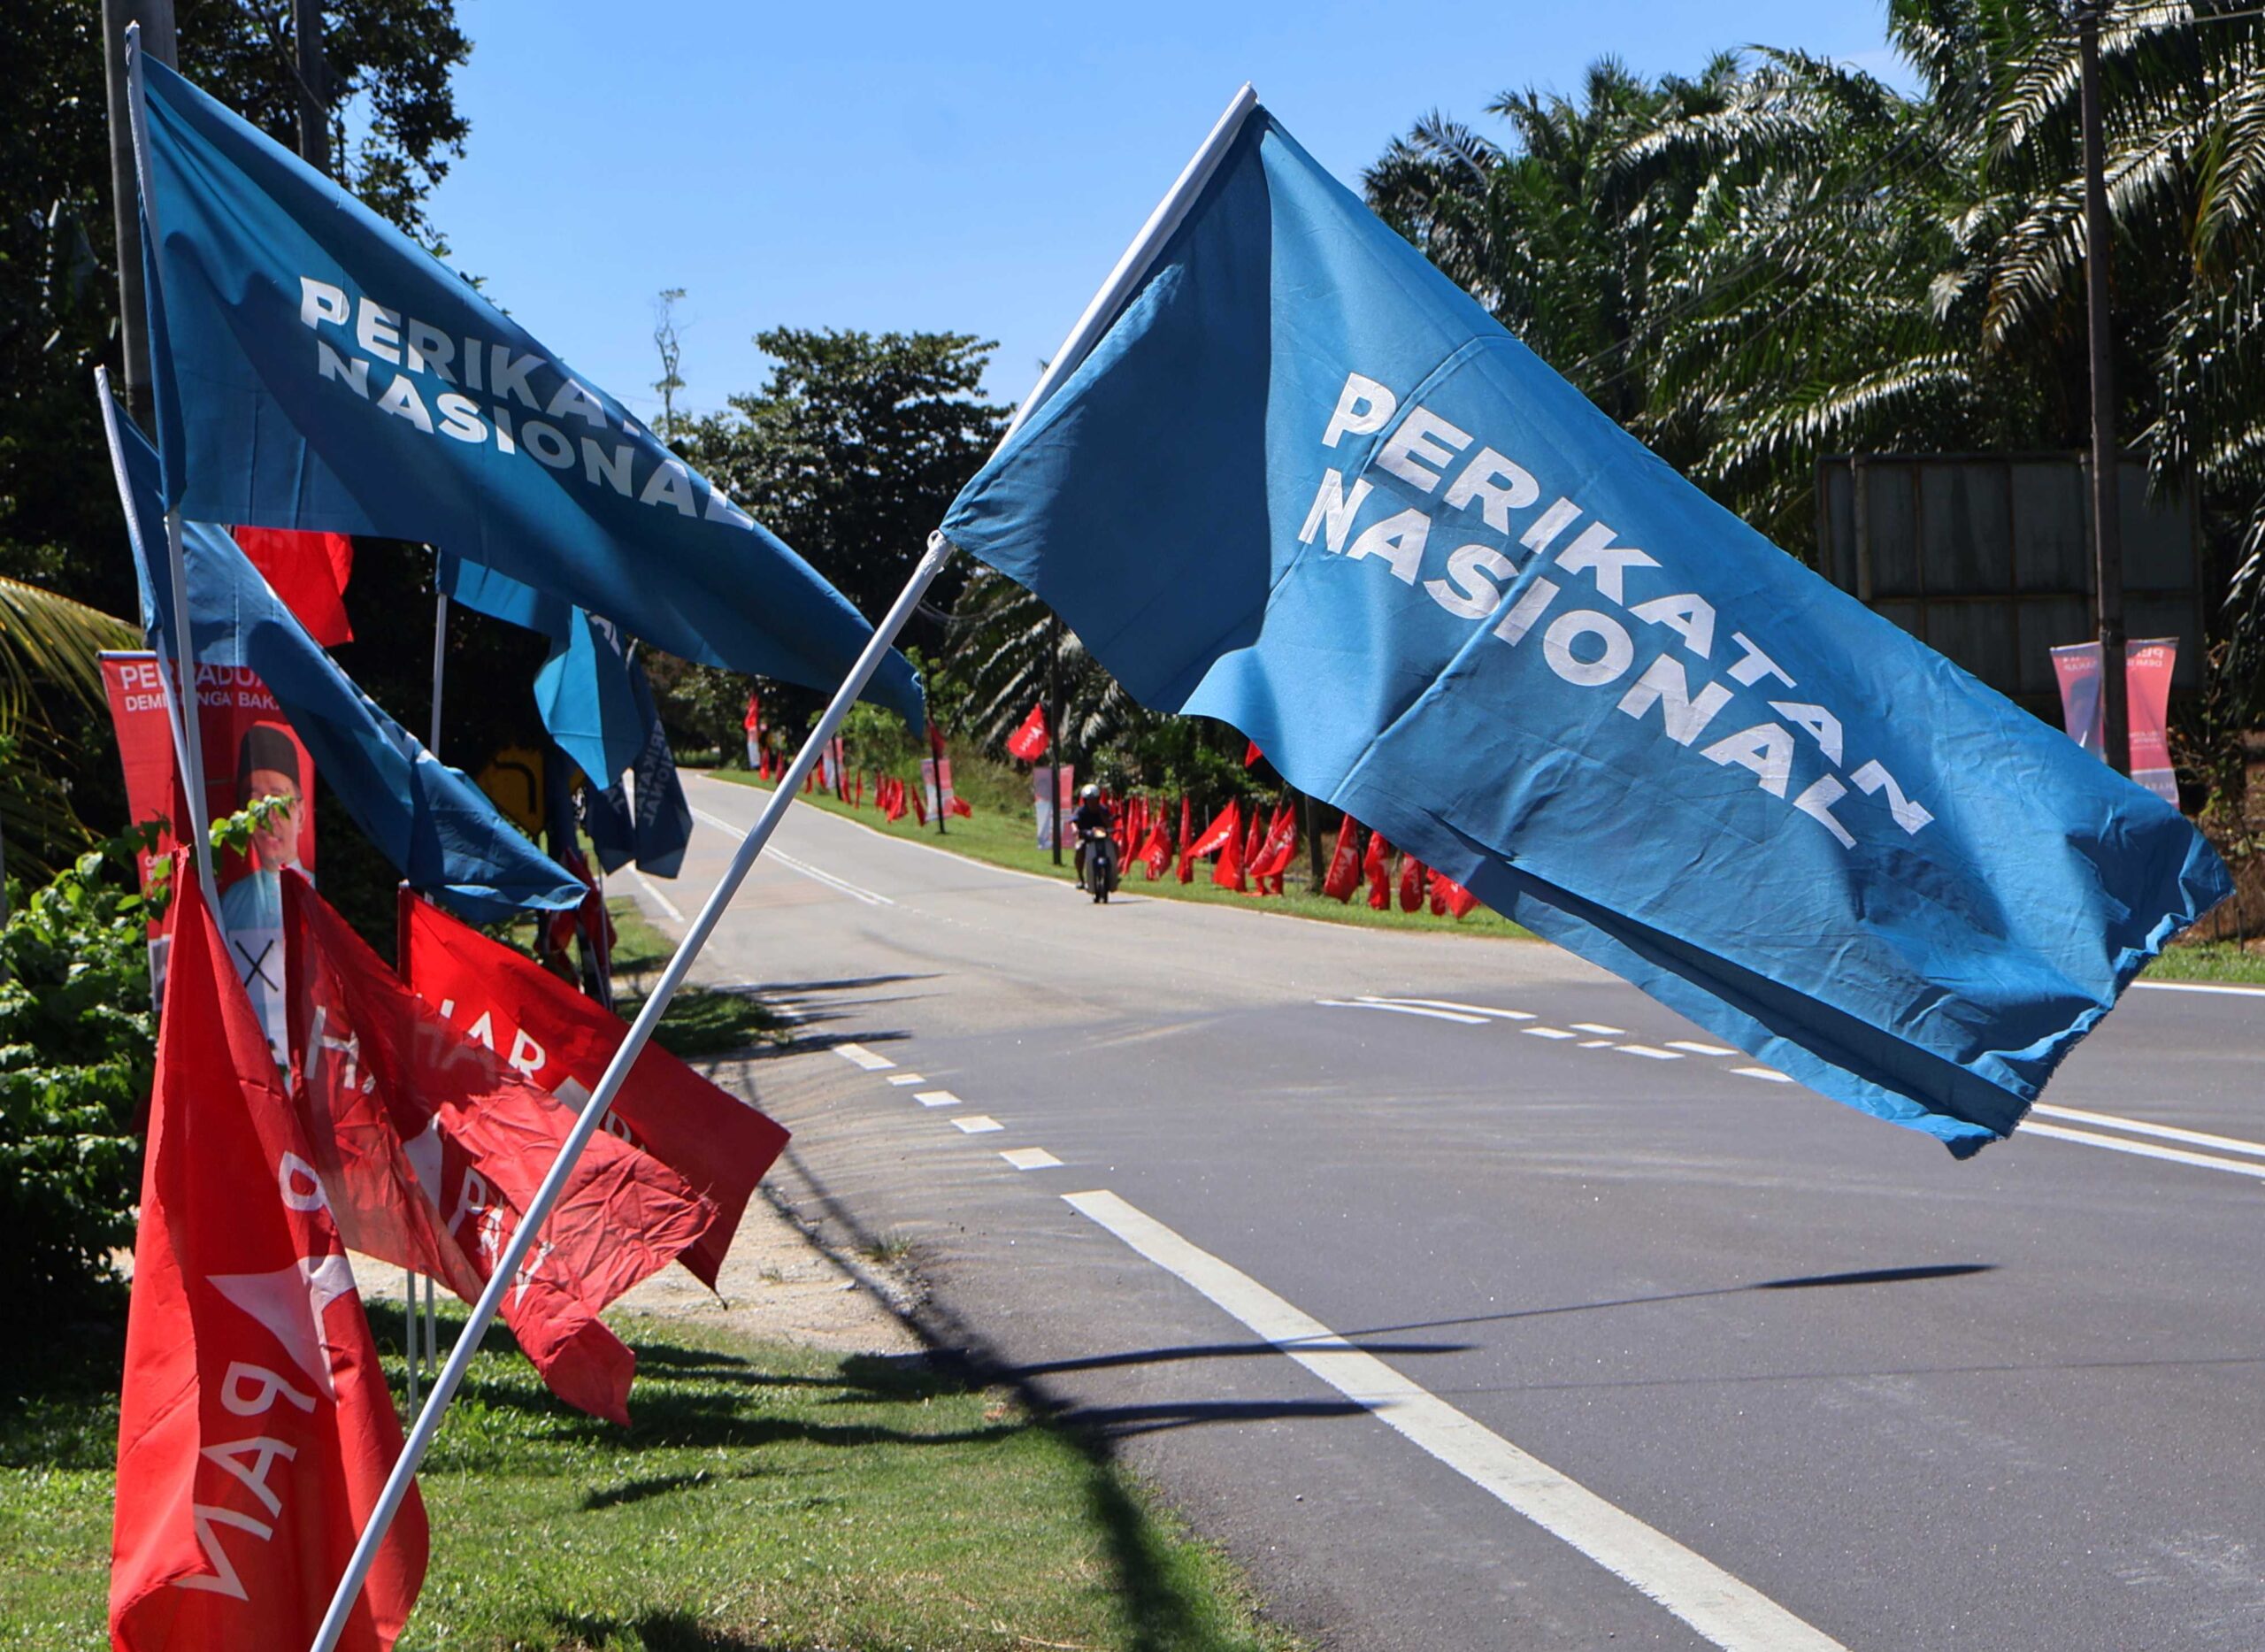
pixel 1090 325
pixel 184 645
pixel 601 1099
pixel 432 1353
pixel 440 665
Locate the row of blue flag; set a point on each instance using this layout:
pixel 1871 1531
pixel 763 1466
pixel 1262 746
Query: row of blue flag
pixel 1301 483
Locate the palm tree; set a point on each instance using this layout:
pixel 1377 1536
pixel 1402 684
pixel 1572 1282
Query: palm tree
pixel 47 642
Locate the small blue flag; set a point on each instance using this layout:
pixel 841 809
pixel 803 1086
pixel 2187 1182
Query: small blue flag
pixel 652 826
pixel 437 827
pixel 1306 485
pixel 314 368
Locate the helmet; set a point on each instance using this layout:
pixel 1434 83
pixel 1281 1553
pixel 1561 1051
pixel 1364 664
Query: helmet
pixel 1089 791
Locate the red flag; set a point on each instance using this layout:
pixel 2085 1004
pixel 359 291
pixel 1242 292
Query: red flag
pixel 254 1430
pixel 561 1041
pixel 1028 742
pixel 919 799
pixel 1453 896
pixel 590 920
pixel 1251 754
pixel 1415 883
pixel 308 571
pixel 1379 873
pixel 1225 828
pixel 1253 846
pixel 1157 849
pixel 1186 859
pixel 1344 866
pixel 1225 834
pixel 400 1101
pixel 753 721
pixel 1281 848
pixel 961 806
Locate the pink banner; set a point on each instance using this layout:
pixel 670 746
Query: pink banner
pixel 2147 663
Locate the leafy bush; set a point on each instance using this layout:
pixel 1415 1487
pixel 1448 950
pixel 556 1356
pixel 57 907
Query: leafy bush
pixel 78 1048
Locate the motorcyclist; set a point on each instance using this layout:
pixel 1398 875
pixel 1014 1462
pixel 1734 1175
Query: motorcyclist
pixel 1091 817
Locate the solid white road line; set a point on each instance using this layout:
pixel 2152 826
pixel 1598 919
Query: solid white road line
pixel 1716 1605
pixel 1646 1051
pixel 857 1055
pixel 2163 1133
pixel 936 1098
pixel 659 900
pixel 1546 1031
pixel 839 886
pixel 977 1124
pixel 1030 1158
pixel 1450 1003
pixel 1699 1049
pixel 1600 1029
pixel 1400 1009
pixel 1770 1073
pixel 2202 1161
pixel 2231 992
pixel 906 1078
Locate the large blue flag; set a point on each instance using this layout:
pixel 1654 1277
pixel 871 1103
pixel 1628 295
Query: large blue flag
pixel 314 368
pixel 437 828
pixel 1306 485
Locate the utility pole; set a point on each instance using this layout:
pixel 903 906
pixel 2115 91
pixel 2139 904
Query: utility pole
pixel 155 18
pixel 314 85
pixel 2107 518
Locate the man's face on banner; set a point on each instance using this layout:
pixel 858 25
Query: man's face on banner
pixel 276 843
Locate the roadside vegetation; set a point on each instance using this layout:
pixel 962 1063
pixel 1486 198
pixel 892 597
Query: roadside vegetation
pixel 768 1496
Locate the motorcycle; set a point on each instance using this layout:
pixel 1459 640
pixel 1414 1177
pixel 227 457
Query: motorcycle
pixel 1101 863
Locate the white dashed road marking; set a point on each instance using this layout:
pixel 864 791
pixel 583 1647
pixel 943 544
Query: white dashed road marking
pixel 1647 1050
pixel 936 1098
pixel 1600 1029
pixel 906 1078
pixel 1687 1046
pixel 1400 1009
pixel 977 1124
pixel 1545 1031
pixel 1448 1004
pixel 857 1055
pixel 1722 1610
pixel 1030 1158
pixel 1770 1073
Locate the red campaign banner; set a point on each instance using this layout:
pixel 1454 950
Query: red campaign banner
pixel 1028 742
pixel 250 753
pixel 2147 665
pixel 561 1041
pixel 254 1430
pixel 434 1147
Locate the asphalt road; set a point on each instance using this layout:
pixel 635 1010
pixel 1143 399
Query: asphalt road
pixel 1634 1345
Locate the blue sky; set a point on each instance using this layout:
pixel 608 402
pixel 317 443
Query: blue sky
pixel 958 165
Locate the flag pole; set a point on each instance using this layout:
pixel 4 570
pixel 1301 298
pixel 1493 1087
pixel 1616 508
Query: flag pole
pixel 1090 325
pixel 440 663
pixel 180 703
pixel 601 1099
pixel 184 645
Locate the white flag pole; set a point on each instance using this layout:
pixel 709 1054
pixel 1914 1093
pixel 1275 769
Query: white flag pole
pixel 440 663
pixel 184 645
pixel 1098 314
pixel 601 1099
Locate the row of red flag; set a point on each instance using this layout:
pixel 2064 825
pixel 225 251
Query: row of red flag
pixel 892 796
pixel 417 1116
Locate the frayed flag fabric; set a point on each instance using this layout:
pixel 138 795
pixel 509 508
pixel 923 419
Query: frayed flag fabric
pixel 1304 484
pixel 315 368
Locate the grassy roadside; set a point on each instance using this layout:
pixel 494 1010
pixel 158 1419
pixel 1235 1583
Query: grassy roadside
pixel 769 1497
pixel 1010 839
pixel 1005 840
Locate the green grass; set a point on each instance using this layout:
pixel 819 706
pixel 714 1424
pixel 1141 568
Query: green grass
pixel 1009 839
pixel 2208 961
pixel 768 1497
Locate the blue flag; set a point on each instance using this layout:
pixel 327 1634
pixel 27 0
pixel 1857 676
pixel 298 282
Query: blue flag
pixel 1306 485
pixel 653 827
pixel 315 369
pixel 437 827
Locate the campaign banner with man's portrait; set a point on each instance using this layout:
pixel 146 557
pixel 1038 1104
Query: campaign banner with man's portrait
pixel 250 753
